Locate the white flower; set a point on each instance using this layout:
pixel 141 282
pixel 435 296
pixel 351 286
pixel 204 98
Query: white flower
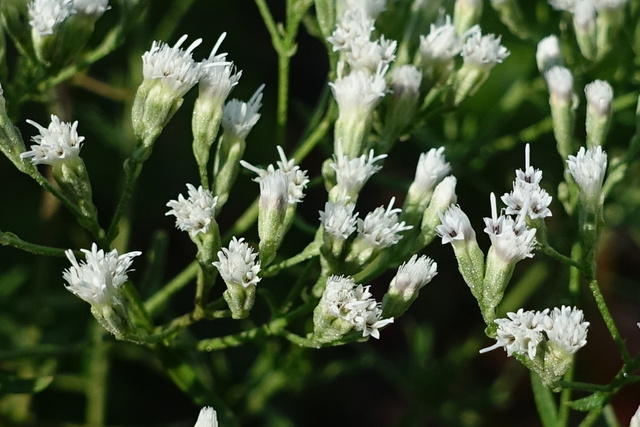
pixel 369 55
pixel 584 15
pixel 237 264
pixel 196 213
pixel 564 5
pixel 174 67
pixel 432 168
pixel 346 300
pixel 405 81
pixel 56 144
pixel 238 118
pixel 635 420
pixel 381 228
pixel 297 178
pixel 527 192
pixel 599 96
pixel 483 51
pixel 98 279
pixel 338 219
pixel 274 191
pixel 371 7
pixel 46 15
pixel 511 239
pixel 566 330
pixel 521 333
pixel 354 26
pixel 548 53
pixel 588 168
pixel 413 275
pixel 609 5
pixel 207 418
pixel 442 43
pixel 360 92
pixel 455 226
pixel 560 82
pixel 352 174
pixel 91 7
pixel 216 82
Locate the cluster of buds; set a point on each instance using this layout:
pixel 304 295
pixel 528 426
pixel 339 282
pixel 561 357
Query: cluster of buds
pixel 544 341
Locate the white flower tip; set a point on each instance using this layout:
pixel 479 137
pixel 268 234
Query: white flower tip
pixel 207 418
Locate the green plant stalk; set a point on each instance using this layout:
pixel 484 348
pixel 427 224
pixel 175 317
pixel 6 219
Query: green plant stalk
pixel 608 320
pixel 10 239
pixel 312 250
pixel 96 386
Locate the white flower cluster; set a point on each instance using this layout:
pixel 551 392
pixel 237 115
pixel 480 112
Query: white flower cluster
pixel 442 43
pixel 338 219
pixel 352 37
pixel 563 332
pixel 216 82
pixel 432 168
pixel 293 180
pixel 359 92
pixel 588 169
pixel 413 275
pixel 207 418
pixel 98 279
pixel 381 228
pixel 57 143
pixel 195 213
pixel 600 5
pixel 352 174
pixel 237 264
pixel 511 239
pixel 238 118
pixel 46 15
pixel 527 192
pixel 346 300
pixel 483 51
pixel 455 226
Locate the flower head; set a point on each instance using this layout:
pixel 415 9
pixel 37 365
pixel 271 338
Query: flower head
pixel 56 144
pixel 413 275
pixel 196 213
pixel 172 66
pixel 511 239
pixel 521 333
pixel 483 51
pixel 237 264
pixel 566 330
pixel 207 418
pixel 381 227
pixel 432 168
pixel 352 174
pixel 91 7
pixel 588 168
pixel 353 27
pixel 599 96
pixel 97 279
pixel 527 192
pixel 455 226
pixel 216 82
pixel 338 219
pixel 238 118
pixel 360 91
pixel 46 15
pixel 548 53
pixel 442 43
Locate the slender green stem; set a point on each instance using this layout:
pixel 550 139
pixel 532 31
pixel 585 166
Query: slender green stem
pixel 96 390
pixel 547 249
pixel 565 398
pixel 10 239
pixel 158 301
pixel 608 320
pixel 312 250
pixel 41 350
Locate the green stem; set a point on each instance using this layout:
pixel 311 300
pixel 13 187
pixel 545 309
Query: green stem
pixel 10 239
pixel 565 398
pixel 158 301
pixel 547 249
pixel 96 390
pixel 608 320
pixel 312 250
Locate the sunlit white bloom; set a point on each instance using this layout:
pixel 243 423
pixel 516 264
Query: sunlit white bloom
pixel 584 15
pixel 566 330
pixel 560 82
pixel 354 26
pixel 483 51
pixel 352 174
pixel 296 177
pixel 338 219
pixel 442 42
pixel 173 66
pixel 432 168
pixel 588 168
pixel 359 92
pixel 372 8
pixel 46 15
pixel 216 82
pixel 57 143
pixel 237 264
pixel 548 53
pixel 207 418
pixel 455 226
pixel 511 239
pixel 521 333
pixel 238 118
pixel 195 213
pixel 599 96
pixel 381 227
pixel 91 7
pixel 97 279
pixel 527 192
pixel 405 81
pixel 635 420
pixel 274 191
pixel 369 55
pixel 413 275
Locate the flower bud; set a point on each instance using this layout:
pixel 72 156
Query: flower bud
pixel 584 25
pixel 272 210
pixel 412 276
pixel 599 96
pixel 466 14
pixel 548 54
pixel 562 101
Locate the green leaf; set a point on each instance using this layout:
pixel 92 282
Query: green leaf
pixel 13 384
pixel 545 403
pixel 590 402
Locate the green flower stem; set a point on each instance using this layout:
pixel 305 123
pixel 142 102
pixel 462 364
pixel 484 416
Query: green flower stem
pixel 10 239
pixel 96 385
pixel 312 250
pixel 547 249
pixel 608 320
pixel 159 300
pixel 565 398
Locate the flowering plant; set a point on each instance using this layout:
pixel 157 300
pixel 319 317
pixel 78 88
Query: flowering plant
pixel 263 291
